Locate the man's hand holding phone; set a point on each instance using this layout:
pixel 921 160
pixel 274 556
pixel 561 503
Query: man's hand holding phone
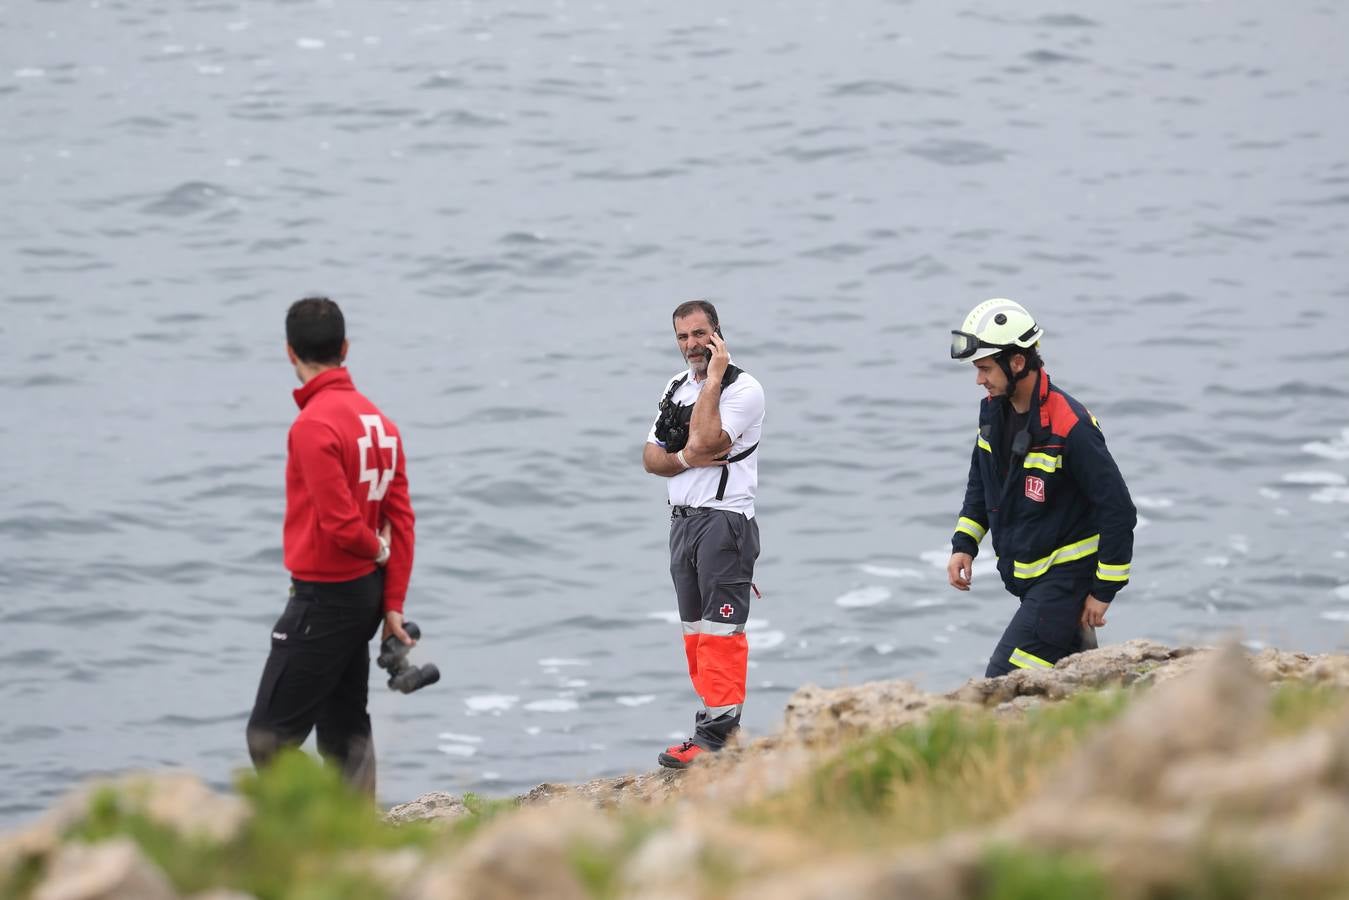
pixel 718 358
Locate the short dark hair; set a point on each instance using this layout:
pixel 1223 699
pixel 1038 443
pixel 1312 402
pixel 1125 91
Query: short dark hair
pixel 315 330
pixel 1032 354
pixel 689 307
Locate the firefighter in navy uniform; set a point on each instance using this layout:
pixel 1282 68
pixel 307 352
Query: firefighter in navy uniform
pixel 703 443
pixel 1042 481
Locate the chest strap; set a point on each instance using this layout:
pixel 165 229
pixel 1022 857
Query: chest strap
pixel 726 471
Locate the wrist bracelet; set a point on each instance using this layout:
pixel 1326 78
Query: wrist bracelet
pixel 384 549
pixel 682 461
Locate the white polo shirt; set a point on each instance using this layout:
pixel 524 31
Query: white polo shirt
pixel 742 411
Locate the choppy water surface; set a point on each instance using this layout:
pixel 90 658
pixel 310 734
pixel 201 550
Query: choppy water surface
pixel 508 199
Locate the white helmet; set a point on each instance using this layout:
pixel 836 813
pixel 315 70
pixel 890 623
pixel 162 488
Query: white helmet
pixel 992 327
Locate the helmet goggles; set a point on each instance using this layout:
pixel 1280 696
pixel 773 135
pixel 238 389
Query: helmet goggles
pixel 964 345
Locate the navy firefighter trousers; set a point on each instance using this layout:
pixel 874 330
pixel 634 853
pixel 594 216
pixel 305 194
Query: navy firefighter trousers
pixel 1047 626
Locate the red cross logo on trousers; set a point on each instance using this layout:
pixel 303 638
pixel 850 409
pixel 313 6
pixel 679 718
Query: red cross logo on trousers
pixel 726 610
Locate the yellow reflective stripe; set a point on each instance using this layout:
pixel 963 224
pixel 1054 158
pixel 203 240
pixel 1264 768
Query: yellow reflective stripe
pixel 983 444
pixel 1023 660
pixel 1069 553
pixel 972 528
pixel 1112 572
pixel 1043 461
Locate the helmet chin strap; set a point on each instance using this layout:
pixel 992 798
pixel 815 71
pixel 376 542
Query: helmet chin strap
pixel 1004 362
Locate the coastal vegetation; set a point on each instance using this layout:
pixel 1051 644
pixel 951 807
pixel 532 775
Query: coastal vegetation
pixel 1133 772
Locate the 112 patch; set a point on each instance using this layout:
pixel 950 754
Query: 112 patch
pixel 1035 488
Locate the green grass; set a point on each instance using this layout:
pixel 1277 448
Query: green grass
pixel 298 845
pixel 22 880
pixel 1015 873
pixel 955 768
pixel 1296 705
pixel 599 868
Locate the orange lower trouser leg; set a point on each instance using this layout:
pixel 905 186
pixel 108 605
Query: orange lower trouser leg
pixel 691 652
pixel 719 673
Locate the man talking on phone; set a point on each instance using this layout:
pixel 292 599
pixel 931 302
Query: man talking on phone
pixel 703 443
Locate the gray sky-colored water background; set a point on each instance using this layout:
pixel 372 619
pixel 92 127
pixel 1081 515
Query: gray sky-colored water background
pixel 508 199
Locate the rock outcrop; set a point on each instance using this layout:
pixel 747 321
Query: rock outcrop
pixel 1195 779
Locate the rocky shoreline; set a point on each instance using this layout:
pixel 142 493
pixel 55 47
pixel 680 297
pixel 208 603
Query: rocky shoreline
pixel 1211 768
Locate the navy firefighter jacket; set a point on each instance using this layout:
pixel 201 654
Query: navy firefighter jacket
pixel 1061 508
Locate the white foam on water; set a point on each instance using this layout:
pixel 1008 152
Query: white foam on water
pixel 1218 562
pixel 941 639
pixel 665 616
pixel 490 776
pixel 1337 449
pixel 884 649
pixel 764 640
pixel 870 595
pixel 553 663
pixel 1331 495
pixel 1336 615
pixel 305 43
pixel 935 558
pixel 983 563
pixel 1143 522
pixel 923 602
pixel 1239 544
pixel 1270 493
pixel 30 73
pixel 756 624
pixel 1342 592
pixel 635 700
pixel 461 750
pixel 492 703
pixel 533 731
pixel 458 738
pixel 1154 502
pixel 553 705
pixel 888 572
pixel 575 683
pixel 1330 478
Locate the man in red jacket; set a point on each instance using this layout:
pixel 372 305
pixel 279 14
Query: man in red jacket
pixel 349 537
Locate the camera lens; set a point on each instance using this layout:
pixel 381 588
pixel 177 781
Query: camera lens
pixel 414 679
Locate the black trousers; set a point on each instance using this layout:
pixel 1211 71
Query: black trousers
pixel 318 676
pixel 1047 625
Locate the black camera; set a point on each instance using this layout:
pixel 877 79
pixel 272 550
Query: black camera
pixel 672 428
pixel 403 675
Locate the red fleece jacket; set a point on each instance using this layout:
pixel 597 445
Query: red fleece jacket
pixel 346 475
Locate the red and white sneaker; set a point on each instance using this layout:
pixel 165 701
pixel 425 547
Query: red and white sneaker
pixel 680 756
